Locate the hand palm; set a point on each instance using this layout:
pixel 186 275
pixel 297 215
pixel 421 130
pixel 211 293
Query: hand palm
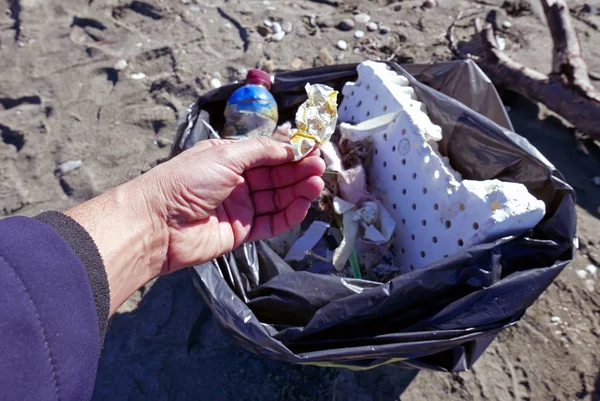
pixel 233 200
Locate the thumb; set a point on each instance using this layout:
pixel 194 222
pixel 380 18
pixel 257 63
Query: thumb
pixel 257 152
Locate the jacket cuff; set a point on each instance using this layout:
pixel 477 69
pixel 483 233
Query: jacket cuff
pixel 84 247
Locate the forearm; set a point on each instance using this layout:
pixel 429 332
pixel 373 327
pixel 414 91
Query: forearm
pixel 128 237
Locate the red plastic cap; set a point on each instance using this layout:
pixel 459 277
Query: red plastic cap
pixel 259 77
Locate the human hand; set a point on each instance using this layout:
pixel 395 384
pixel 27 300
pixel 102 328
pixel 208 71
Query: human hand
pixel 201 204
pixel 221 194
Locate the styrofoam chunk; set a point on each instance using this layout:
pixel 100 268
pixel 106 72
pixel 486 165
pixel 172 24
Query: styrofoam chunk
pixel 436 212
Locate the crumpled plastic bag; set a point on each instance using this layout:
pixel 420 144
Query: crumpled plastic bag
pixel 440 317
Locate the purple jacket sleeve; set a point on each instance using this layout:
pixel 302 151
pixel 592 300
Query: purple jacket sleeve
pixel 53 309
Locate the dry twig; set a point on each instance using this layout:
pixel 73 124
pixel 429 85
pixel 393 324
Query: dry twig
pixel 567 90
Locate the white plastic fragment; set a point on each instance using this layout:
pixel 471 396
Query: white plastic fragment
pixel 377 227
pixel 307 241
pixel 555 319
pixel 67 167
pixel 436 212
pixel 138 75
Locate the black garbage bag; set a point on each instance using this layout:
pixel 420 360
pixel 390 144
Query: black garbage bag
pixel 440 317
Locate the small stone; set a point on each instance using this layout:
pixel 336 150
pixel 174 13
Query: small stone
pixel 276 27
pixel 120 65
pixel 195 9
pixel 346 25
pixel 372 26
pixel 362 18
pixel 590 285
pixel 267 23
pixel 506 24
pixel 589 9
pixel 263 30
pixel 278 37
pixel 592 269
pixel 342 45
pixel 217 75
pixel 138 75
pixel 384 30
pixel 296 63
pixel 269 66
pixel 581 273
pixel 359 34
pixel 161 142
pixel 326 21
pixel 555 319
pixel 215 83
pixel 186 1
pixel 325 57
pixel 287 26
pixel 429 4
pixel 596 180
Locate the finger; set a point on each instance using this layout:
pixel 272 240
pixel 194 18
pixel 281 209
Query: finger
pixel 266 178
pixel 272 201
pixel 252 153
pixel 272 225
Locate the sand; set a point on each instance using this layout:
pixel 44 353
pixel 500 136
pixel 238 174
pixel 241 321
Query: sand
pixel 61 99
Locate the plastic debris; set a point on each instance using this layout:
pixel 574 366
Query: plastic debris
pixel 376 223
pixel 316 119
pixel 555 319
pixel 307 241
pixel 138 75
pixel 67 167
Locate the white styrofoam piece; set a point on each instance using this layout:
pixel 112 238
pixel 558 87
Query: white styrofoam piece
pixel 437 214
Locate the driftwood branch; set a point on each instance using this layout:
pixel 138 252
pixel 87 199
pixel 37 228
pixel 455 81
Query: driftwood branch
pixel 567 90
pixel 567 57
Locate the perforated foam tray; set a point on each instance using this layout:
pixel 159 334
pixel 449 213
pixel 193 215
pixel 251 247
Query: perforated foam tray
pixel 436 212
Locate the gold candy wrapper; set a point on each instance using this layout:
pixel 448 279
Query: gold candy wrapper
pixel 315 120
